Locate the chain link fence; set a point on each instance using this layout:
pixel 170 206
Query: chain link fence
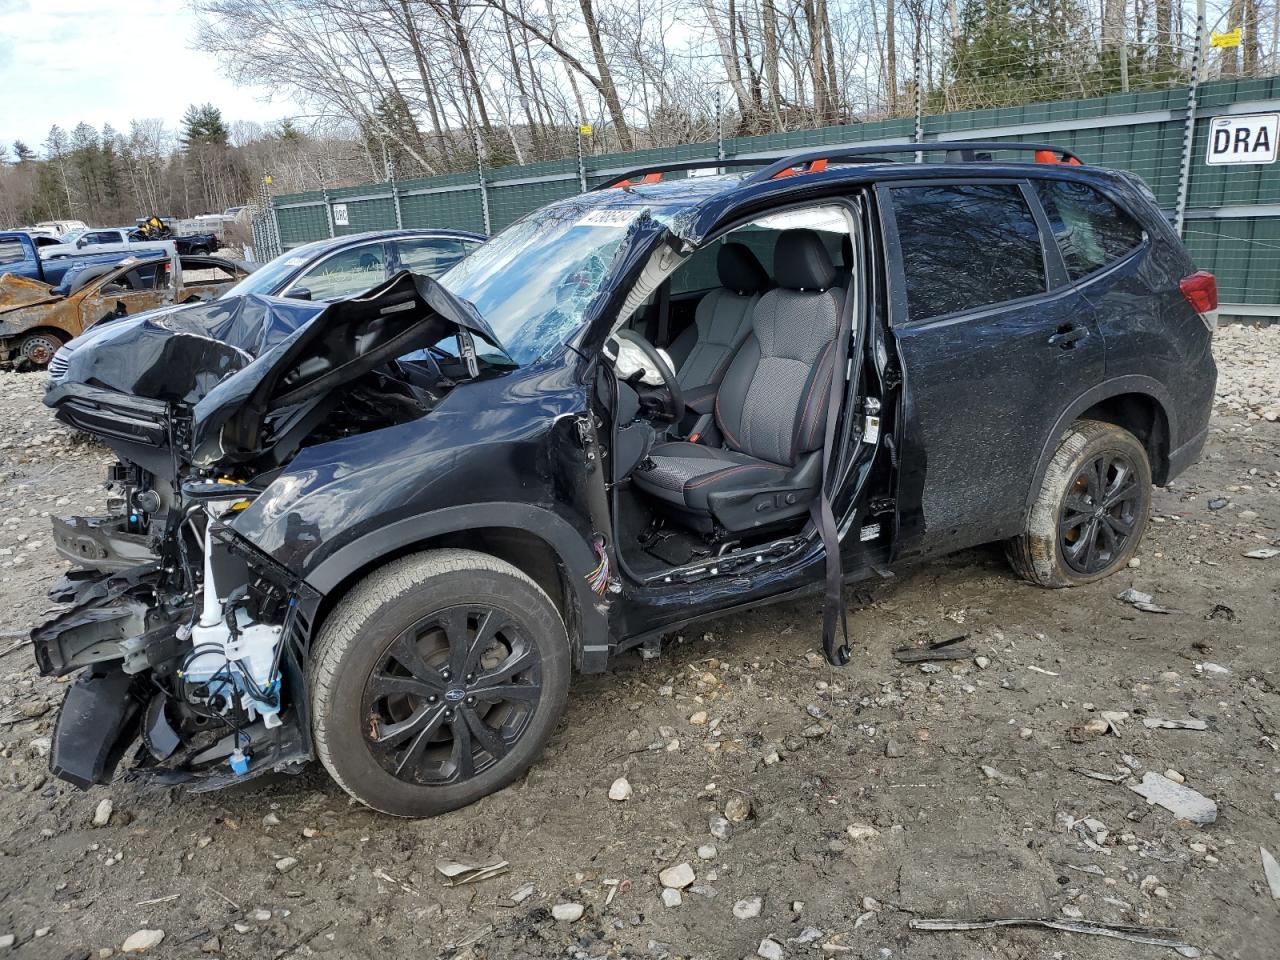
pixel 1138 105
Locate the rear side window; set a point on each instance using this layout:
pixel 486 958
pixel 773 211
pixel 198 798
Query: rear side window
pixel 1091 230
pixel 966 246
pixel 430 256
pixel 12 251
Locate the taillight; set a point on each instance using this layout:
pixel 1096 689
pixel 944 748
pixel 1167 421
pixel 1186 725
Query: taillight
pixel 1201 291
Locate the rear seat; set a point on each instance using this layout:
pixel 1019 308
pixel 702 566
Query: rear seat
pixel 722 319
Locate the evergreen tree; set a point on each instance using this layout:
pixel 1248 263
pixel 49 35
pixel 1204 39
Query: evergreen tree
pixel 287 132
pixel 22 153
pixel 1014 51
pixel 203 126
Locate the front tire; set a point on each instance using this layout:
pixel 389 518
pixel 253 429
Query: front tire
pixel 437 680
pixel 1091 511
pixel 37 349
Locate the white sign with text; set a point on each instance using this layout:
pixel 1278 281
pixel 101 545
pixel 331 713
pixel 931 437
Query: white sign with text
pixel 1243 139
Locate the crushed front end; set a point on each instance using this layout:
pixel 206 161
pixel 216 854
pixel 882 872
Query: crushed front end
pixel 191 643
pixel 196 653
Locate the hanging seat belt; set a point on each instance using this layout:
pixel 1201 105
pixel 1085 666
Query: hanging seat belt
pixel 823 516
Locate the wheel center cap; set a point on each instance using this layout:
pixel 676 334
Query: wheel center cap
pixel 454 694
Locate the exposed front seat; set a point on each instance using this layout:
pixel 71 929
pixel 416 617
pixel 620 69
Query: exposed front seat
pixel 771 406
pixel 722 319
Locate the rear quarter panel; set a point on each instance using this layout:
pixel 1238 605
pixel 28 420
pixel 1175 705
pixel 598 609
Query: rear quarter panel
pixel 1149 328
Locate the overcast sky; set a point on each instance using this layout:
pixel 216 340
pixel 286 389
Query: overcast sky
pixel 107 61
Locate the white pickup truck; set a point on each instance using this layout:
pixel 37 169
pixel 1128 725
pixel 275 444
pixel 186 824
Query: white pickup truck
pixel 103 240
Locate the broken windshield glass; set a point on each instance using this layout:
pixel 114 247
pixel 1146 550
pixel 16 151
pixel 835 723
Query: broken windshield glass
pixel 534 281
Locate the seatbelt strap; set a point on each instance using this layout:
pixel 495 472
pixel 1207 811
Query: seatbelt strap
pixel 823 516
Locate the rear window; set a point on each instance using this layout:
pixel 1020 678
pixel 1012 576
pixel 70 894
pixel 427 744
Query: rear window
pixel 1091 230
pixel 966 246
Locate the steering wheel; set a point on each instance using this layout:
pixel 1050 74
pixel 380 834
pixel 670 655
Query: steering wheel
pixel 670 394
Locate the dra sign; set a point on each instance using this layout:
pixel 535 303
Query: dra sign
pixel 1243 139
pixel 340 218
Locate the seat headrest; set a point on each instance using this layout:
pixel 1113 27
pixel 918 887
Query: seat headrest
pixel 801 262
pixel 739 269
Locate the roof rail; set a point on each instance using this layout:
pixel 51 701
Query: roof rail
pixel 960 151
pixel 815 161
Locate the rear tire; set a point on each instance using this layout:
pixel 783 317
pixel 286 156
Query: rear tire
pixel 437 680
pixel 1091 511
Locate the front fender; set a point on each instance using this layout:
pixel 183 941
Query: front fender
pixel 572 550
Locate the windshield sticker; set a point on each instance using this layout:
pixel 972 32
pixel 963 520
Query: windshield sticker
pixel 295 261
pixel 608 218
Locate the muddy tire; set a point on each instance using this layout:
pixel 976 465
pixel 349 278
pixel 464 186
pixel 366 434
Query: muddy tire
pixel 437 680
pixel 1091 511
pixel 38 349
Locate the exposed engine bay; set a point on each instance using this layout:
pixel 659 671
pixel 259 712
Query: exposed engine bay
pixel 191 641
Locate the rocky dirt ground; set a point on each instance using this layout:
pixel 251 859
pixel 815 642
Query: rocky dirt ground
pixel 818 811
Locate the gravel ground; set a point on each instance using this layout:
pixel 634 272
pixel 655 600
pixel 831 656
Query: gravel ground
pixel 867 796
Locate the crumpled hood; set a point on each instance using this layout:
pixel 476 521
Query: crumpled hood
pixel 253 350
pixel 178 354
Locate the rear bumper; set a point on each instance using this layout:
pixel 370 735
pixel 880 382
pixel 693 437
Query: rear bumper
pixel 1187 454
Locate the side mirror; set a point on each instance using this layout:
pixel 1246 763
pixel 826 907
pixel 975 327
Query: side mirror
pixel 299 293
pixel 82 242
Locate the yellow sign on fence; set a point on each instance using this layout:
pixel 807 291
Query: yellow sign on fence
pixel 1225 40
pixel 585 129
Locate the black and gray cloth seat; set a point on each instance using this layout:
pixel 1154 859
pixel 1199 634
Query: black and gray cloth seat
pixel 770 408
pixel 722 319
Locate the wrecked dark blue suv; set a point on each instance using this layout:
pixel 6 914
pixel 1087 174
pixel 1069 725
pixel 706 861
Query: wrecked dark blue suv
pixel 385 531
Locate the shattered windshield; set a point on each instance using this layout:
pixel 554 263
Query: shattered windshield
pixel 534 281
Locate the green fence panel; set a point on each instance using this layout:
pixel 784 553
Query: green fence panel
pixel 511 202
pixel 301 224
pixel 452 209
pixel 1243 253
pixel 366 214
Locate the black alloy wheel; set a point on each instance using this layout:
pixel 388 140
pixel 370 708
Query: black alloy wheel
pixel 436 680
pixel 451 695
pixel 1089 511
pixel 1099 514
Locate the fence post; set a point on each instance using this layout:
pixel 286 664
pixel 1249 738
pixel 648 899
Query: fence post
pixel 919 131
pixel 484 190
pixel 582 160
pixel 395 195
pixel 328 214
pixel 719 127
pixel 267 235
pixel 1189 131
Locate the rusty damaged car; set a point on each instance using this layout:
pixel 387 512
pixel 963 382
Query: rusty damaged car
pixel 37 318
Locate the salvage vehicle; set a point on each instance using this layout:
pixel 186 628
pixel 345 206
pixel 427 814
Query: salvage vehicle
pixel 37 318
pixel 383 532
pixel 128 240
pixel 27 255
